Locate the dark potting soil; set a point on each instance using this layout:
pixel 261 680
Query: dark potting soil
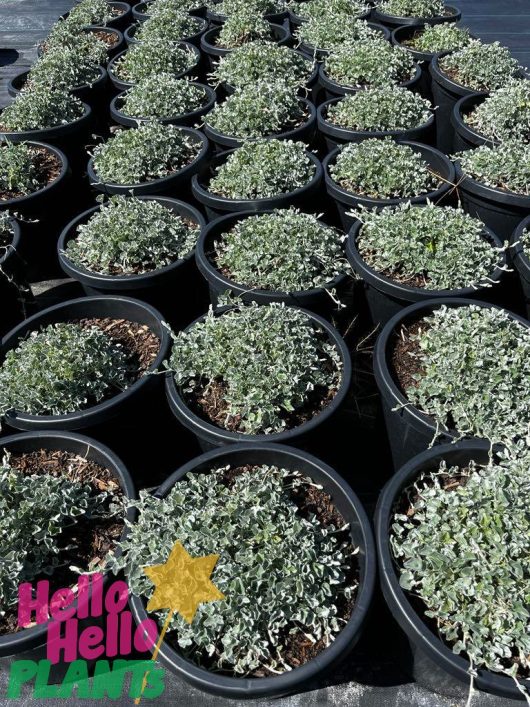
pixel 138 339
pixel 108 37
pixel 311 501
pixel 88 541
pixel 405 361
pixel 416 280
pixel 48 169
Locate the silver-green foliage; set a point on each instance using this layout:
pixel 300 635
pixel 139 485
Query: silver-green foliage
pixel 90 12
pixel 262 169
pixel 35 511
pixel 369 62
pixel 70 66
pixel 334 31
pixel 63 368
pixel 505 114
pixel 279 572
pixel 6 229
pixel 262 61
pixel 474 372
pixel 86 44
pixel 286 251
pixel 463 548
pixel 442 245
pixel 241 28
pixel 162 96
pixel 525 241
pixel 169 25
pixel 284 361
pixel 229 8
pixel 128 235
pixel 151 151
pixel 413 8
pixel 382 169
pixel 326 8
pixel 505 167
pixel 18 168
pixel 446 36
pixel 41 107
pixel 481 67
pixel 258 110
pixel 159 7
pixel 380 109
pixel 151 58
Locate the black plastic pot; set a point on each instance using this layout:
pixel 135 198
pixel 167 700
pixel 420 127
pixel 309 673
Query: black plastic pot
pixel 216 206
pixel 162 288
pixel 121 85
pixel 306 435
pixel 335 135
pixel 123 20
pixel 174 183
pixel 30 643
pixel 112 49
pixel 409 430
pixel 434 665
pixel 186 119
pixel 521 260
pixel 195 39
pixel 332 89
pixel 387 297
pixel 213 52
pixel 316 300
pixel 12 283
pixel 88 93
pixel 465 137
pixel 500 210
pixel 349 506
pixel 348 201
pixel 313 52
pixel 303 133
pixel 452 15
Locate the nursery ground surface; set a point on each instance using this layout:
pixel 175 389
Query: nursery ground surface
pixel 377 676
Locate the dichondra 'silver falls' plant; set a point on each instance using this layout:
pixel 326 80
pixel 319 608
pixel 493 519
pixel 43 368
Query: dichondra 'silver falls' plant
pixel 281 572
pixel 286 251
pixel 39 108
pixel 316 9
pixel 19 173
pixel 151 58
pixel 413 8
pixel 285 360
pixel 262 169
pixel 69 67
pixel 505 167
pixel 435 247
pixel 446 36
pixel 244 27
pixel 162 96
pixel 131 236
pixel 505 114
pixel 90 12
pixel 230 8
pixel 169 25
pixel 334 31
pixel 481 67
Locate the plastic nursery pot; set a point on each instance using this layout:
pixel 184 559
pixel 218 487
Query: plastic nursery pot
pixel 186 119
pixel 434 665
pixel 320 54
pixel 411 431
pixel 123 16
pixel 162 288
pixel 11 273
pixel 347 503
pixel 303 132
pixel 306 435
pixel 213 51
pixel 332 89
pixel 113 38
pixel 316 300
pixel 347 201
pixel 387 297
pixel 452 14
pixel 334 135
pixel 195 39
pixel 521 260
pixel 465 137
pixel 500 210
pixel 216 205
pixel 297 20
pixel 30 643
pixel 173 183
pixel 89 93
pixel 121 85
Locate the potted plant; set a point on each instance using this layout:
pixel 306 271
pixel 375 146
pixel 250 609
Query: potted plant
pixel 151 58
pixel 64 34
pixel 150 159
pixel 452 538
pixel 142 11
pixel 137 246
pixel 424 41
pixel 395 13
pixel 218 11
pixel 255 651
pixel 12 285
pixel 520 248
pixel 261 60
pixel 366 63
pixel 477 67
pixel 494 184
pixel 319 35
pixel 170 25
pixel 265 109
pixel 238 30
pixel 408 253
pixel 276 256
pixel 108 13
pixel 391 111
pixel 289 392
pixel 262 174
pixel 300 12
pixel 438 367
pixel 381 172
pixel 502 115
pixel 163 98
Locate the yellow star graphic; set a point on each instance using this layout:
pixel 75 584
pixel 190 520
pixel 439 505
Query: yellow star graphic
pixel 182 583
